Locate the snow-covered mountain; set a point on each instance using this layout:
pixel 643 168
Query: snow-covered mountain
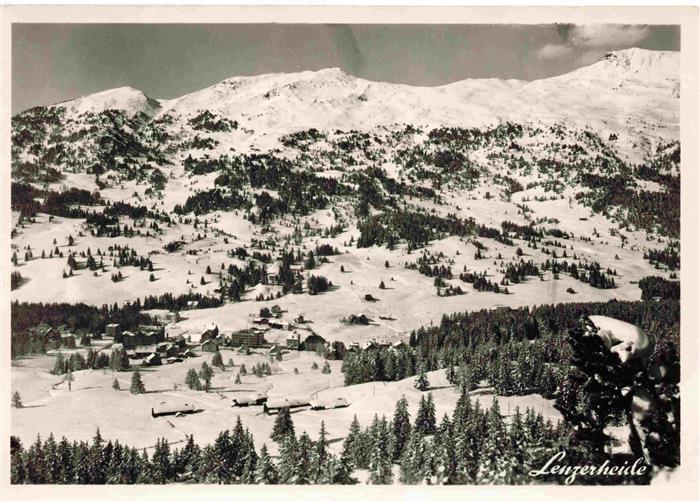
pixel 632 91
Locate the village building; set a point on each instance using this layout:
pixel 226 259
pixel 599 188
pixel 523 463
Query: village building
pixel 354 347
pixel 68 340
pixel 275 324
pixel 48 333
pixel 293 341
pixel 164 408
pixel 112 330
pixel 172 317
pixel 313 341
pixel 130 340
pixel 209 332
pixel 152 334
pixel 383 343
pixel 369 345
pixel 260 320
pixel 251 338
pixel 211 345
pixel 168 349
pixel 153 359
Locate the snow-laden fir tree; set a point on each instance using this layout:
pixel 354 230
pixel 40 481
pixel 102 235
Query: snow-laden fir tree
pixel 137 386
pixel 265 470
pixel 401 428
pixel 283 425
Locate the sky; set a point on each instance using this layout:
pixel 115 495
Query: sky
pixel 58 62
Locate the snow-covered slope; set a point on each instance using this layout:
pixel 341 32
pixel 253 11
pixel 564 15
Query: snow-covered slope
pixel 631 92
pixel 127 99
pixel 626 89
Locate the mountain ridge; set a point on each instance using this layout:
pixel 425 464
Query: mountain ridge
pixel 271 85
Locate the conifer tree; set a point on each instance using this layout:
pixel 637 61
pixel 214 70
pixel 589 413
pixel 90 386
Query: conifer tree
pixel 497 464
pixel 320 458
pixel 425 418
pixel 217 361
pixel 302 472
pixel 422 382
pixel 115 384
pixel 380 455
pixel 137 386
pixel 288 459
pixel 17 400
pixel 206 373
pixel 343 470
pixel 414 460
pixel 192 380
pixel 283 425
pixel 265 470
pixel 401 428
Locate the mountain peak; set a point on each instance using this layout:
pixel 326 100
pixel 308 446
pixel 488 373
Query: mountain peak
pixel 636 59
pixel 126 99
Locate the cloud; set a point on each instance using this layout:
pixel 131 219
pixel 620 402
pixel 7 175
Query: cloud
pixel 553 51
pixel 605 35
pixel 593 37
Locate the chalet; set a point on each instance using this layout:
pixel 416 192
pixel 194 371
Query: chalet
pixel 210 331
pixel 211 345
pixel 260 320
pixel 189 353
pixel 250 399
pixel 273 323
pixel 397 345
pixel 130 340
pixel 358 319
pixel 276 404
pixel 168 349
pixel 338 350
pixel 369 345
pixel 192 304
pixel 276 349
pixel 383 343
pixel 251 338
pixel 354 347
pixel 172 317
pixel 48 333
pixel 180 341
pixel 152 334
pixel 143 351
pixel 171 360
pixel 147 338
pixel 113 330
pixel 171 409
pixel 68 340
pixel 313 341
pixel 328 403
pixel 152 359
pixel 293 340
